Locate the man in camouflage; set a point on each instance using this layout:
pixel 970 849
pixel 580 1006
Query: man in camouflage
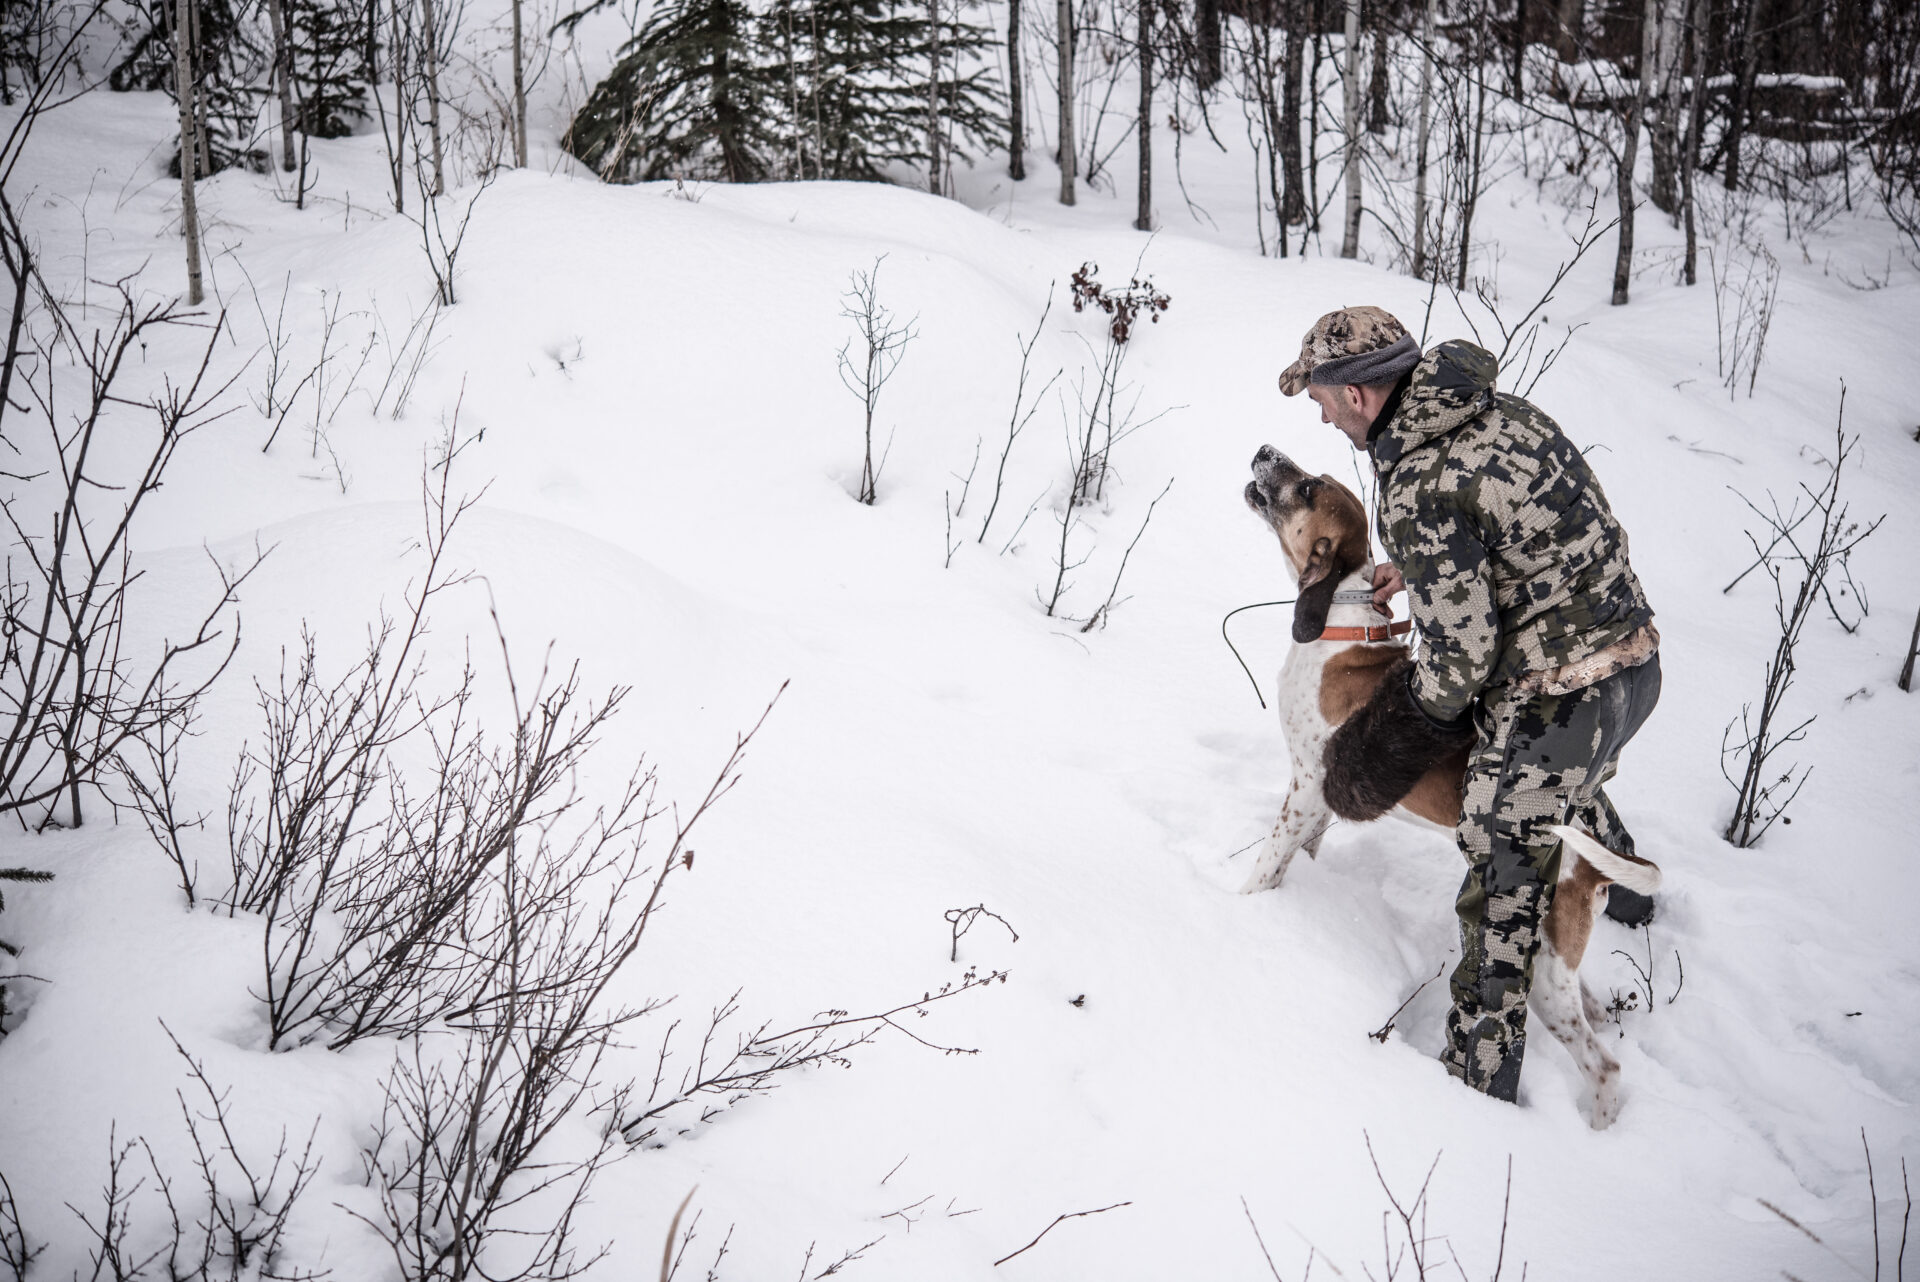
pixel 1536 641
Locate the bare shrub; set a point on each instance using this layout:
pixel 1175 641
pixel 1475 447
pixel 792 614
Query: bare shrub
pixel 1742 312
pixel 74 696
pixel 1103 424
pixel 869 359
pixel 1522 356
pixel 242 1207
pixel 228 1225
pixel 1017 421
pixel 17 1254
pixel 1409 1246
pixel 390 906
pixel 466 1180
pixel 718 1077
pixel 1802 566
pixel 452 1161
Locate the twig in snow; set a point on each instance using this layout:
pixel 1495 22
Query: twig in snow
pixel 848 1258
pixel 1381 1033
pixel 1058 1220
pixel 962 920
pixel 1031 509
pixel 1017 422
pixel 1106 607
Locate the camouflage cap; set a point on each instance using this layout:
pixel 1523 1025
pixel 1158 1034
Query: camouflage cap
pixel 1338 336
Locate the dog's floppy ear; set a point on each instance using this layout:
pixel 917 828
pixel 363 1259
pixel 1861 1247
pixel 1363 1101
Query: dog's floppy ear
pixel 1318 580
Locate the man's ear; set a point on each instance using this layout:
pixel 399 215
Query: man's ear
pixel 1318 581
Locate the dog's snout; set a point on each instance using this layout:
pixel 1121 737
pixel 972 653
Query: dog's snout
pixel 1265 454
pixel 1255 498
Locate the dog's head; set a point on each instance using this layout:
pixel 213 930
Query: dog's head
pixel 1322 530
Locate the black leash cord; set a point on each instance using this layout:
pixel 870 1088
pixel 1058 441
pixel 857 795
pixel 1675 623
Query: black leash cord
pixel 1236 650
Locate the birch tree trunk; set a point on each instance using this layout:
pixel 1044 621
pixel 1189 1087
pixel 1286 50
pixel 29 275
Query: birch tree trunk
pixel 189 145
pixel 1663 101
pixel 1065 16
pixel 1143 219
pixel 1016 98
pixel 430 70
pixel 283 73
pixel 1354 134
pixel 1629 153
pixel 519 94
pixel 203 142
pixel 1420 146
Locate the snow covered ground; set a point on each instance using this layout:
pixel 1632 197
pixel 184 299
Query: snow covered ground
pixel 668 460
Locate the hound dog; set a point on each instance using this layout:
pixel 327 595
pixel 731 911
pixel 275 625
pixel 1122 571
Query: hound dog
pixel 1341 652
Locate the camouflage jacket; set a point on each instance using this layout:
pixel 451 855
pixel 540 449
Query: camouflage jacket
pixel 1513 560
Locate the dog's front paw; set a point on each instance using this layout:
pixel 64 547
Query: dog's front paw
pixel 1268 869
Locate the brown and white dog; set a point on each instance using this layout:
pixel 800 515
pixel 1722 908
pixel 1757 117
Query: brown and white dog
pixel 1340 654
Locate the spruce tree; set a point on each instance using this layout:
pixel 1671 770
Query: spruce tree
pixel 867 70
pixel 330 72
pixel 692 96
pixel 231 62
pixel 14 874
pixel 804 89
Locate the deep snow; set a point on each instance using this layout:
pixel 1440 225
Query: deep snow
pixel 669 459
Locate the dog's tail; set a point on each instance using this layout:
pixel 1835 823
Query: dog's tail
pixel 1630 871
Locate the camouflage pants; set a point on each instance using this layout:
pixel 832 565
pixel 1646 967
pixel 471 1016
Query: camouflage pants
pixel 1541 760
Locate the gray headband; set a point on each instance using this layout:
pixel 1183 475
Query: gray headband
pixel 1369 369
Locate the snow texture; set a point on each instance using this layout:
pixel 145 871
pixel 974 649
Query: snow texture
pixel 668 462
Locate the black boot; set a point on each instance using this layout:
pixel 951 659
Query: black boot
pixel 1629 907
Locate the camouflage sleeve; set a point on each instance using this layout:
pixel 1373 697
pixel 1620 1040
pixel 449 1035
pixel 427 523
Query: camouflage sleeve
pixel 1450 593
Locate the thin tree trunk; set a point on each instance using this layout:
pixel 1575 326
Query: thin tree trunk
pixel 1519 51
pixel 1294 207
pixel 1065 17
pixel 519 94
pixel 1913 650
pixel 1742 92
pixel 1206 21
pixel 1663 101
pixel 1016 100
pixel 1377 82
pixel 402 109
pixel 933 98
pixel 1629 153
pixel 1474 154
pixel 1313 133
pixel 1143 219
pixel 183 89
pixel 430 68
pixel 203 148
pixel 1355 136
pixel 1696 111
pixel 1420 146
pixel 283 73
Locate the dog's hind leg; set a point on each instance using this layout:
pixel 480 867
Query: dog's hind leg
pixel 1304 819
pixel 1558 998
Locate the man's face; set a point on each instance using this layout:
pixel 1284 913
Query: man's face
pixel 1346 409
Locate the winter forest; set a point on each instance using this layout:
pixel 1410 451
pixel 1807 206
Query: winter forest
pixel 631 640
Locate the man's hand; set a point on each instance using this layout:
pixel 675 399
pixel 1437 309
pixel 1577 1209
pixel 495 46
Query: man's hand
pixel 1387 584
